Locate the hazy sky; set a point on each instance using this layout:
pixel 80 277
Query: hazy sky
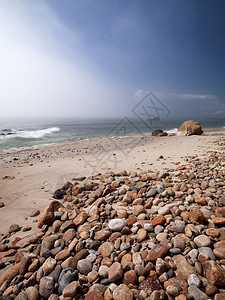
pixel 85 58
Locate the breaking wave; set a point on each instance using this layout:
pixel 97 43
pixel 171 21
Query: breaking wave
pixel 25 134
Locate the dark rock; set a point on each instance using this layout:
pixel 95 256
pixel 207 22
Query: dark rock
pixel 159 132
pixel 58 194
pixel 66 276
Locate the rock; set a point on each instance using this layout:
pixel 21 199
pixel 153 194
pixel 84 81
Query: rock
pixel 178 243
pixel 46 217
pixel 189 128
pixel 184 269
pixel 161 266
pixel 14 228
pixel 214 273
pixel 21 296
pixel 122 292
pixel 46 287
pixel 141 235
pixel 58 194
pixel 69 235
pixel 158 251
pixel 115 271
pixel 130 277
pixel 219 252
pixel 150 284
pixel 103 271
pixel 218 220
pixel 35 213
pixel 62 255
pixel 93 295
pixel 102 235
pixel 152 192
pixel 159 132
pixel 48 243
pixel 196 293
pixel 24 264
pixel 80 218
pixel 66 276
pixel 10 273
pixel 193 279
pixel 31 293
pixel 164 210
pixel 202 240
pixel 172 290
pixel 106 249
pixel 117 224
pixel 48 265
pixel 84 266
pixel 158 220
pixel 208 252
pixel 70 290
pixel 196 216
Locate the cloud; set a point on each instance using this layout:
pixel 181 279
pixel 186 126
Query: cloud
pixel 187 96
pixel 44 70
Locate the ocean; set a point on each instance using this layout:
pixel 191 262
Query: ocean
pixel 17 134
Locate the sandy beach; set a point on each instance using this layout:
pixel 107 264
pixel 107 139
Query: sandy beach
pixel 39 172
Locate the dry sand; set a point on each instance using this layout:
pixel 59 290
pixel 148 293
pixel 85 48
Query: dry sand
pixel 39 172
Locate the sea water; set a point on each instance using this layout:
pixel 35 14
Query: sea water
pixel 29 133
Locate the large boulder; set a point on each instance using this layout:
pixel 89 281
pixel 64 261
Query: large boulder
pixel 189 128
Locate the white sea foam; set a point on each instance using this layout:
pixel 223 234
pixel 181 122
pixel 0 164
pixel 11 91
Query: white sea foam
pixel 174 130
pixel 36 134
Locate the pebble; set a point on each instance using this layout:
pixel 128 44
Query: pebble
pixel 115 272
pixel 84 266
pixel 117 224
pixel 202 240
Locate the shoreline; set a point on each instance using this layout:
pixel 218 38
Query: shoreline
pixel 82 146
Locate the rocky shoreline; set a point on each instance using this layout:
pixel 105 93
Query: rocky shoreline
pixel 125 235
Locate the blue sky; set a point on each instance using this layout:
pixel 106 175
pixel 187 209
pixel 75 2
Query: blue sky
pixel 98 58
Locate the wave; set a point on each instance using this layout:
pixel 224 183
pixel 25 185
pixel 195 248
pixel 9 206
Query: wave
pixel 174 130
pixel 24 134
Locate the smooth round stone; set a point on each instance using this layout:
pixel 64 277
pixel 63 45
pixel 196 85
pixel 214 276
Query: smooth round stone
pixel 137 258
pixel 193 255
pixel 202 240
pixel 84 266
pixel 141 235
pixel 208 251
pixel 158 229
pixel 117 224
pixel 175 250
pixel 193 279
pixel 148 227
pixel 115 271
pixel 163 210
pixel 141 217
pixel 103 271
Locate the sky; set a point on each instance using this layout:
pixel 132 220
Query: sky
pixel 85 58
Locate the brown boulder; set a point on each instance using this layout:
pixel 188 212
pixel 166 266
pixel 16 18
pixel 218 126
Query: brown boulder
pixel 46 217
pixel 189 128
pixel 214 273
pixel 10 273
pixel 184 269
pixel 157 251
